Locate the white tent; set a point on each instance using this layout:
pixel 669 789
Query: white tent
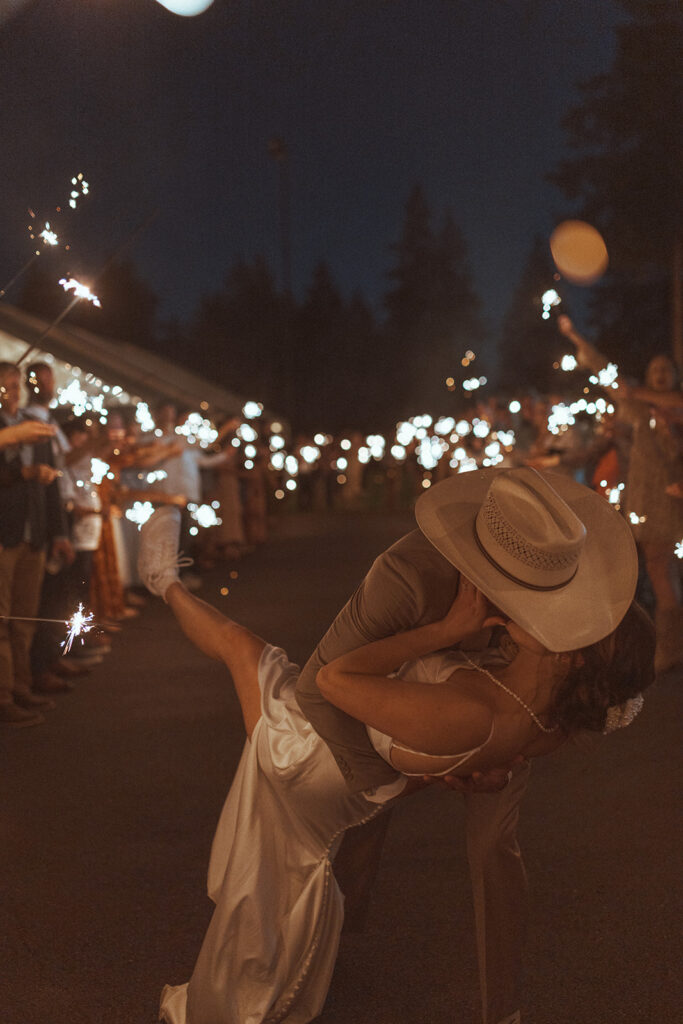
pixel 109 371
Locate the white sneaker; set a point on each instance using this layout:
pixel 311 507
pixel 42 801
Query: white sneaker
pixel 158 559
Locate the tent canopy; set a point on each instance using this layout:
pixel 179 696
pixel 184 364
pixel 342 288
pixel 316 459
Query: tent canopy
pixel 118 363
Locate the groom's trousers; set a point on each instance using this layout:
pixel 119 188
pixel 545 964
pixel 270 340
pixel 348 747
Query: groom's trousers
pixel 409 585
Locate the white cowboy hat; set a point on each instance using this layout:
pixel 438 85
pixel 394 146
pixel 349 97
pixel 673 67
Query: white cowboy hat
pixel 551 554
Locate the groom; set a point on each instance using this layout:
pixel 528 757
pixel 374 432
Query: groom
pixel 411 584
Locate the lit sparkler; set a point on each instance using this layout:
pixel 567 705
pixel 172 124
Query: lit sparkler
pixel 49 236
pixel 205 515
pixel 607 377
pixel 549 299
pixel 81 291
pixel 79 189
pixel 79 623
pixel 679 549
pixel 140 512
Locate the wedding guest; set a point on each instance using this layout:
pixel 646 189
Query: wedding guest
pixel 54 598
pixel 655 462
pixel 32 525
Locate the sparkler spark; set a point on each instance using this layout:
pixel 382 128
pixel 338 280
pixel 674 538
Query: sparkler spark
pixel 679 549
pixel 49 236
pixel 607 377
pixel 140 512
pixel 205 515
pixel 79 623
pixel 80 188
pixel 549 299
pixel 81 291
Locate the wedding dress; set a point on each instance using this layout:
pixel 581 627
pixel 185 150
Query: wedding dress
pixel 270 949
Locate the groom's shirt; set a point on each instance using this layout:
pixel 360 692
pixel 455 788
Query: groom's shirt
pixel 408 585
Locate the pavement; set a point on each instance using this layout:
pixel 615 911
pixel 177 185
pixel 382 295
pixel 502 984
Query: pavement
pixel 107 813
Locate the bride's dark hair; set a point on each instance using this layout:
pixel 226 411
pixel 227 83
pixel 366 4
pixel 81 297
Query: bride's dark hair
pixel 607 673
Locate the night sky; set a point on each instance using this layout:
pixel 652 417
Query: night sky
pixel 160 112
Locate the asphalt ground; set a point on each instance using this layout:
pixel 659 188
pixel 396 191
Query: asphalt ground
pixel 108 809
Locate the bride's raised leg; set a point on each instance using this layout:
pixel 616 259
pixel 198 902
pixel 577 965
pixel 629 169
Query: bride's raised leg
pixel 223 640
pixel 212 633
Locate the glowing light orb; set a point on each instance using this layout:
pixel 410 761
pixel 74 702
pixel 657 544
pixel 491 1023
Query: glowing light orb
pixel 186 8
pixel 252 409
pixel 579 251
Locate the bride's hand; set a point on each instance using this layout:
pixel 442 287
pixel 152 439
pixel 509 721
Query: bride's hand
pixel 469 613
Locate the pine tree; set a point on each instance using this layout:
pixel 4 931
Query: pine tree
pixel 239 333
pixel 530 345
pixel 433 313
pixel 626 177
pixel 319 357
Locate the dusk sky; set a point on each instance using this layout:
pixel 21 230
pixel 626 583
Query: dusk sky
pixel 160 112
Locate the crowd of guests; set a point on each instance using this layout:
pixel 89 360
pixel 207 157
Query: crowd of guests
pixel 74 491
pixel 66 540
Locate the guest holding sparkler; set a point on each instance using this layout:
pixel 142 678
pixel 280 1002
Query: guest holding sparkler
pixel 26 432
pixel 32 522
pixel 48 670
pixel 655 413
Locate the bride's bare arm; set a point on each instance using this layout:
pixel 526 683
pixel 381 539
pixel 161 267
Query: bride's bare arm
pixel 435 719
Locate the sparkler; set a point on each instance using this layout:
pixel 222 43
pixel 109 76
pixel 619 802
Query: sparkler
pixel 140 512
pixel 679 549
pixel 80 189
pixel 81 291
pixel 549 299
pixel 205 515
pixel 49 236
pixel 78 624
pixel 65 312
pixel 607 377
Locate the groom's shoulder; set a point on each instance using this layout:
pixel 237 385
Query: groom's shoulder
pixel 414 553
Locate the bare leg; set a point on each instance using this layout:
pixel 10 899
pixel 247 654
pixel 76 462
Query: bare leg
pixel 223 640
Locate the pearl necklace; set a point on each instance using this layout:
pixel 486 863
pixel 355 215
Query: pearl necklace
pixel 480 668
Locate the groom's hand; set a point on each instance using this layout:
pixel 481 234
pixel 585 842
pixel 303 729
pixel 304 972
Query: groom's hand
pixel 492 781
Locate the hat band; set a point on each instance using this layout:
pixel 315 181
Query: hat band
pixel 516 579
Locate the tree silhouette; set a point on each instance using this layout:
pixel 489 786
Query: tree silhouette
pixel 530 345
pixel 238 335
pixel 433 313
pixel 626 177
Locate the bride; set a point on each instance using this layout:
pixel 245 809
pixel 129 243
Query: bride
pixel 269 952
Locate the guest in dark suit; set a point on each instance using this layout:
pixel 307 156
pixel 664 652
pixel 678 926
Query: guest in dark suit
pixel 32 522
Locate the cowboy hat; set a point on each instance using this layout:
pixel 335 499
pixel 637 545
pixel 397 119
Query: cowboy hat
pixel 551 554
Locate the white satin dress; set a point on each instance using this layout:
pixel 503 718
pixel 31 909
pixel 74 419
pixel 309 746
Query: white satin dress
pixel 270 949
